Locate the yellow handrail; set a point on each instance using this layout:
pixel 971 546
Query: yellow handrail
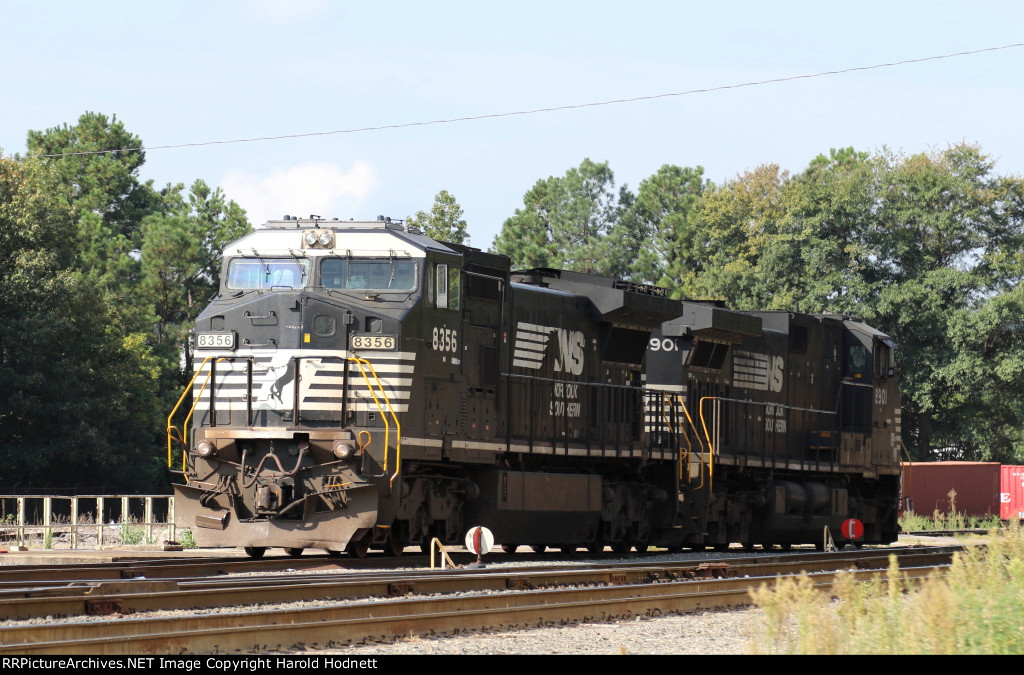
pixel 707 435
pixel 398 426
pixel 696 435
pixel 683 457
pixel 182 435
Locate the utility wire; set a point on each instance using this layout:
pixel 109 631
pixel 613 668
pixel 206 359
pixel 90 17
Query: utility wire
pixel 536 111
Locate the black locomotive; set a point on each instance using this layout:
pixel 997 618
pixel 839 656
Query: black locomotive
pixel 360 385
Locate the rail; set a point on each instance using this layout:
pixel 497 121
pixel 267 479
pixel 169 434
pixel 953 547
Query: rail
pixel 108 511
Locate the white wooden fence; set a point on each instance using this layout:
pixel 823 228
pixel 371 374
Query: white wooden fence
pixel 35 521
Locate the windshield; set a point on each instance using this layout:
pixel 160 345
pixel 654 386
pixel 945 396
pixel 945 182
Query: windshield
pixel 266 273
pixel 375 274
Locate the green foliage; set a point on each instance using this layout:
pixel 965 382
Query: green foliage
pixel 938 521
pixel 444 222
pixel 108 199
pixel 661 224
pixel 187 540
pixel 100 276
pixel 132 534
pixel 180 270
pixel 572 223
pixel 974 608
pixel 73 379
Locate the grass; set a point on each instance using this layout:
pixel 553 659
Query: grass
pixel 187 540
pixel 131 534
pixel 913 522
pixel 975 607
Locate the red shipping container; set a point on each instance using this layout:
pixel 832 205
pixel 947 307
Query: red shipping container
pixel 972 488
pixel 1011 492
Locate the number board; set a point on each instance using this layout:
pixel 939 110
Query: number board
pixel 380 342
pixel 216 340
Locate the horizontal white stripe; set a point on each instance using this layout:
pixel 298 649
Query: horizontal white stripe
pixel 523 325
pixel 339 381
pixel 667 387
pixel 239 406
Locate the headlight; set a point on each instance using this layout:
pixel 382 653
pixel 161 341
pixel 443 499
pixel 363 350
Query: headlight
pixel 343 449
pixel 310 238
pixel 326 239
pixel 205 448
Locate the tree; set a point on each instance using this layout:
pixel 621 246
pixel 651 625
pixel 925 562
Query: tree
pixel 99 161
pixel 570 222
pixel 180 267
pixel 661 219
pixel 444 222
pixel 741 230
pixel 946 265
pixel 76 405
pixel 132 269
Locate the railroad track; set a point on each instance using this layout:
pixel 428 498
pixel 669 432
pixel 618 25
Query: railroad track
pixel 352 608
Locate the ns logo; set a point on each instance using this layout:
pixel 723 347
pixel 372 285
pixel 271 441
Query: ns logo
pixel 532 342
pixel 570 351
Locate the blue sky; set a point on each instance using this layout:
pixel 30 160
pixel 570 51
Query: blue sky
pixel 192 72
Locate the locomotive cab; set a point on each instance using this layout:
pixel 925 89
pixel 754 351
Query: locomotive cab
pixel 302 367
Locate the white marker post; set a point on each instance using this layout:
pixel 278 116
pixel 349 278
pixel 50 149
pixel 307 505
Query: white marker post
pixel 479 540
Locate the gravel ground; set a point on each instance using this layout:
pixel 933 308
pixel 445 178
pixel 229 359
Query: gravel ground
pixel 709 633
pixel 725 632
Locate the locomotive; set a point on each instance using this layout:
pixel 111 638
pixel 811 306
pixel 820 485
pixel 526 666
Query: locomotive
pixel 359 385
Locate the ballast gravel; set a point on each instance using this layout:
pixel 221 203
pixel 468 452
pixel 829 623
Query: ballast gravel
pixel 708 633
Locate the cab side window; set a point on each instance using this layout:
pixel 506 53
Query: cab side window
pixel 447 286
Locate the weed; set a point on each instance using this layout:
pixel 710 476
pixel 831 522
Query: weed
pixel 131 534
pixel 973 608
pixel 187 540
pixel 913 522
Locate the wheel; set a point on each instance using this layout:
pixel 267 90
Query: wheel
pixel 294 552
pixel 785 547
pixel 621 547
pixel 509 548
pixel 595 547
pixel 394 546
pixel 333 553
pixel 255 551
pixel 567 549
pixel 538 548
pixel 748 546
pixel 675 548
pixel 358 548
pixel 767 547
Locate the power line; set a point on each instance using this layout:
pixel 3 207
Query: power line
pixel 536 111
